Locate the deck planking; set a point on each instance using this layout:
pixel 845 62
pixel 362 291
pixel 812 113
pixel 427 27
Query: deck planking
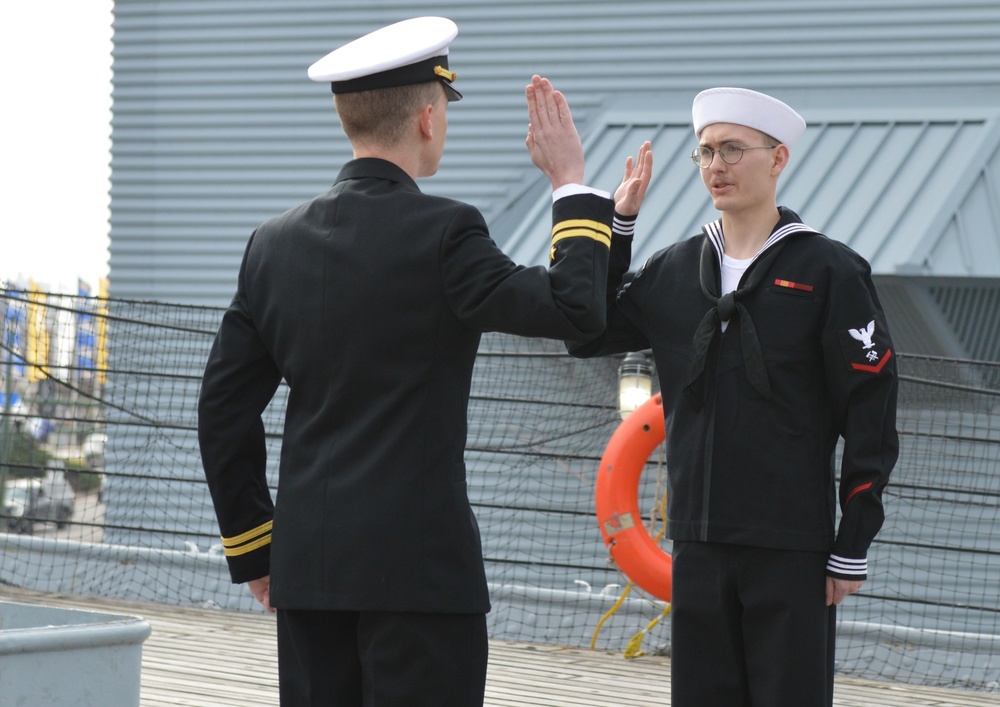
pixel 211 658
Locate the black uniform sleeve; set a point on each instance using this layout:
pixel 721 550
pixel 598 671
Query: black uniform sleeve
pixel 487 291
pixel 239 382
pixel 621 331
pixel 862 381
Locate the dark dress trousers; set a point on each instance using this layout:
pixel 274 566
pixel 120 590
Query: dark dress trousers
pixel 370 301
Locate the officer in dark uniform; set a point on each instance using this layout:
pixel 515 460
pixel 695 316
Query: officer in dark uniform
pixel 770 344
pixel 369 301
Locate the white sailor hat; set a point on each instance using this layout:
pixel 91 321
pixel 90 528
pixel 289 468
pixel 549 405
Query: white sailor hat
pixel 408 52
pixel 742 106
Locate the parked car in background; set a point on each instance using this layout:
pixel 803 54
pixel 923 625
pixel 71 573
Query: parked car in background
pixel 93 449
pixel 29 501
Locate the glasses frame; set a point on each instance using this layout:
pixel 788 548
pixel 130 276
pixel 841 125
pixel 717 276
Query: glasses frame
pixel 696 153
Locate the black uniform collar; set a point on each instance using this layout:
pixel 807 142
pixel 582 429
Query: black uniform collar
pixel 373 167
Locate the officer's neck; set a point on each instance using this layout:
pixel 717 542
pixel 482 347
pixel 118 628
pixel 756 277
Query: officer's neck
pixel 406 161
pixel 416 152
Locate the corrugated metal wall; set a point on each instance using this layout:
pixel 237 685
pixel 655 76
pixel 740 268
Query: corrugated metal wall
pixel 216 126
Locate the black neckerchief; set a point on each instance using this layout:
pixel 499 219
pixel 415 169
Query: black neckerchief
pixel 728 306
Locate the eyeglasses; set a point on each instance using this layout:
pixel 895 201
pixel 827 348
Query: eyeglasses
pixel 731 153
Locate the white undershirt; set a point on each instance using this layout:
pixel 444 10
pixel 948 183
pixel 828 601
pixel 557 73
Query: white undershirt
pixel 732 272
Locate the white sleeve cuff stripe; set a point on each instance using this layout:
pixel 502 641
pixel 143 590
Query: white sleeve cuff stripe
pixel 623 228
pixel 846 565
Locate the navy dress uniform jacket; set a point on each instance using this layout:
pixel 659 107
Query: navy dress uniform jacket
pixel 753 468
pixel 370 301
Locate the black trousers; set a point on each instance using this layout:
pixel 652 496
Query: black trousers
pixel 381 659
pixel 750 628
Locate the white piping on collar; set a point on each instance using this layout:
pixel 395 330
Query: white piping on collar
pixel 714 232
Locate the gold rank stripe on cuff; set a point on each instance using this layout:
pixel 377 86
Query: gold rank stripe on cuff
pixel 248 541
pixel 575 228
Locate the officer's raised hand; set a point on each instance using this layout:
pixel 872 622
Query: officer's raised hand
pixel 553 141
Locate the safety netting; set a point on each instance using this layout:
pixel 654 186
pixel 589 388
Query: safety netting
pixel 104 493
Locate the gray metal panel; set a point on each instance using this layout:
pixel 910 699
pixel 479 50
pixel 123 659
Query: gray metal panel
pixel 917 324
pixel 216 127
pixel 971 307
pixel 911 191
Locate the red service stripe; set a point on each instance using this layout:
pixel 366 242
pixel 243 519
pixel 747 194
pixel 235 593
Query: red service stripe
pixel 793 285
pixel 873 369
pixel 859 489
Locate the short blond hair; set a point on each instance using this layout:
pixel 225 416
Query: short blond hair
pixel 382 115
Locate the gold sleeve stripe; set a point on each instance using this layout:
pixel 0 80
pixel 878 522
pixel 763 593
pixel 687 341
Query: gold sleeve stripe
pixel 583 223
pixel 576 228
pixel 578 232
pixel 249 535
pixel 244 549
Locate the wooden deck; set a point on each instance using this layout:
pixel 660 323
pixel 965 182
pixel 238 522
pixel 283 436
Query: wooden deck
pixel 207 658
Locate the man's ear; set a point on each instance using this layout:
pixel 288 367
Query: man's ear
pixel 424 119
pixel 780 160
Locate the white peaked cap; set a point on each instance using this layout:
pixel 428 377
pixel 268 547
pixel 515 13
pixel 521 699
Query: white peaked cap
pixel 407 52
pixel 742 106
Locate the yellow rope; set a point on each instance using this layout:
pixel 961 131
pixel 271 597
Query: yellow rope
pixel 611 611
pixel 634 647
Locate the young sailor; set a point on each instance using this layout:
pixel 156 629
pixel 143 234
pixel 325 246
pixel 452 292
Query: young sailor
pixel 770 344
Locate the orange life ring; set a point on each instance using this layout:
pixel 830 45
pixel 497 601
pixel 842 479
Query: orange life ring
pixel 617 496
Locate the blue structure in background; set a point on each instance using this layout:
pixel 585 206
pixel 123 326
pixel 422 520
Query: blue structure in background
pixel 12 354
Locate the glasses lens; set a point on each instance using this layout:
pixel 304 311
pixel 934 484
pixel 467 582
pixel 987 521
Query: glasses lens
pixel 702 156
pixel 731 153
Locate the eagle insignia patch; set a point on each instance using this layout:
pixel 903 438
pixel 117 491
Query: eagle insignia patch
pixel 865 349
pixel 864 335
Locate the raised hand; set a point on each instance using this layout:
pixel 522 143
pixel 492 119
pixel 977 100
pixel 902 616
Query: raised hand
pixel 632 190
pixel 553 141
